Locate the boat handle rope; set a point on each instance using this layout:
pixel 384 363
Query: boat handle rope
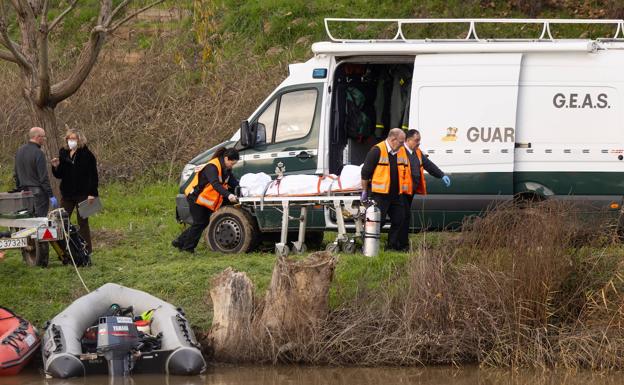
pixel 66 234
pixel 17 335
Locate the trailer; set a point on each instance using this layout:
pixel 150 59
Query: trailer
pixel 33 235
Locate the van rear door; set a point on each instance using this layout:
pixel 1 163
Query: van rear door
pixel 465 106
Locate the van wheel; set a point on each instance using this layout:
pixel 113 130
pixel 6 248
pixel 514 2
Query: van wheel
pixel 36 253
pixel 232 230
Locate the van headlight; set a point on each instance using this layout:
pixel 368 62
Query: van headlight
pixel 187 171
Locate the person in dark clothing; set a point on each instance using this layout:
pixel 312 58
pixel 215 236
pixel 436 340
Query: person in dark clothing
pixel 386 171
pixel 418 164
pixel 208 190
pixel 31 172
pixel 76 167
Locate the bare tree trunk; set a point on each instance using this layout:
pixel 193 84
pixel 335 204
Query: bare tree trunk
pixel 232 298
pixel 46 118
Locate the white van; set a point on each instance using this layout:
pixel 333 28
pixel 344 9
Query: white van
pixel 503 118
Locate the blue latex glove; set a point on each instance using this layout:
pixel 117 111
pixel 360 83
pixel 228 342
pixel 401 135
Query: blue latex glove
pixel 364 196
pixel 53 202
pixel 446 180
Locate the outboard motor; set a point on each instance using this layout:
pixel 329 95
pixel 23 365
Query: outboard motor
pixel 372 230
pixel 117 339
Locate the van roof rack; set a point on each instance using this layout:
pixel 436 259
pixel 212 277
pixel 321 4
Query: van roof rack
pixel 472 35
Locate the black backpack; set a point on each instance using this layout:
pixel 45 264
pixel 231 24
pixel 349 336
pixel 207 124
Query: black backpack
pixel 78 247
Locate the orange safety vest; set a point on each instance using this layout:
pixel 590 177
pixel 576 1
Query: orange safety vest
pixel 381 177
pixel 422 185
pixel 208 197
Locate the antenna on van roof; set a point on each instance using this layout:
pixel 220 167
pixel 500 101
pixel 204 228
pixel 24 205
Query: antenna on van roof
pixel 472 31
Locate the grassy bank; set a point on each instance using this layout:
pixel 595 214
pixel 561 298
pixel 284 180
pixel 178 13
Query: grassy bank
pixel 526 287
pixel 132 247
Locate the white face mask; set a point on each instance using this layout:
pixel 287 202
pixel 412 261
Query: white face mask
pixel 72 144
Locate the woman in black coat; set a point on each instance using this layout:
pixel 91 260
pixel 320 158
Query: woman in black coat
pixel 76 167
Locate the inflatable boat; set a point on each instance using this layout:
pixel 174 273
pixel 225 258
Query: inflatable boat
pixel 120 331
pixel 18 342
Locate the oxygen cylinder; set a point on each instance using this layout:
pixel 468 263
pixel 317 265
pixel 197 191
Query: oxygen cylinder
pixel 372 231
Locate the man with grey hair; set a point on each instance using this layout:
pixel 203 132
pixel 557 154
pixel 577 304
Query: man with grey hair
pixel 31 172
pixel 386 172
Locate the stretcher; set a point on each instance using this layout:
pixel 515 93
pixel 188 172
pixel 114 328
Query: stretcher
pixel 341 201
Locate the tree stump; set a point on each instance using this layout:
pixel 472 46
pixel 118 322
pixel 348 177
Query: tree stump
pixel 232 298
pixel 297 297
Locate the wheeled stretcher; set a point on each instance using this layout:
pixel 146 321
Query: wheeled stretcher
pixel 339 201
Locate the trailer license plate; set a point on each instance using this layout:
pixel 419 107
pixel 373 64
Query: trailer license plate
pixel 13 243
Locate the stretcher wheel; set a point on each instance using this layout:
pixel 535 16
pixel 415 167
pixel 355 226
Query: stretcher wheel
pixel 282 251
pixel 36 253
pixel 332 247
pixel 300 250
pixel 349 247
pixel 232 230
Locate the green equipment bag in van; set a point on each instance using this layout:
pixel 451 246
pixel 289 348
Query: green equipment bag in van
pixel 358 125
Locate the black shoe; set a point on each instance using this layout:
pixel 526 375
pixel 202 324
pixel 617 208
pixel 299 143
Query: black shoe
pixel 175 243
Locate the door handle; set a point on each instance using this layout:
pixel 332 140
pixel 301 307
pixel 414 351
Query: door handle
pixel 304 155
pixel 522 145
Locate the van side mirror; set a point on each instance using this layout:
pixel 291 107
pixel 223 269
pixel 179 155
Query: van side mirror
pixel 248 134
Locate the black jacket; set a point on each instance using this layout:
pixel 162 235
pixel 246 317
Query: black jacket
pixel 210 174
pixel 428 165
pixel 78 174
pixel 370 164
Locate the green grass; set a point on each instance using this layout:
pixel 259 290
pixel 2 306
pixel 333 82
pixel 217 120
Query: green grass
pixel 132 247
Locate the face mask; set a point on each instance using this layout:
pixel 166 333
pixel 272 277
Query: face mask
pixel 72 144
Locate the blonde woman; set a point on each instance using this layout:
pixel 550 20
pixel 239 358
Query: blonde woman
pixel 76 167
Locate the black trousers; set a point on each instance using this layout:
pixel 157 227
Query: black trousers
pixel 394 207
pixel 190 237
pixel 405 227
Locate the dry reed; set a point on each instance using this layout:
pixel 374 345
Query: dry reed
pixel 530 286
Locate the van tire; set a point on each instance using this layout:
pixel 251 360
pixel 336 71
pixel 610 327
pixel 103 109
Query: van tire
pixel 232 230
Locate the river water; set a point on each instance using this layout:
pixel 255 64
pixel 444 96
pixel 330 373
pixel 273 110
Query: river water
pixel 293 375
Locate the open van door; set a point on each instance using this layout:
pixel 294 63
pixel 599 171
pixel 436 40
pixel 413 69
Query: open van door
pixel 464 106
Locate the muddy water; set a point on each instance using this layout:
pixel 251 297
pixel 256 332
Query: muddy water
pixel 339 376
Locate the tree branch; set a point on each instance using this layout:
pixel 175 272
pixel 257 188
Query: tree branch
pixel 44 11
pixel 88 56
pixel 62 15
pixel 117 25
pixel 8 56
pixel 43 92
pixel 6 41
pixel 121 6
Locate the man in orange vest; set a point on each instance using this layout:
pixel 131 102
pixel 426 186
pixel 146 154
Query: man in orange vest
pixel 386 172
pixel 206 192
pixel 419 163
